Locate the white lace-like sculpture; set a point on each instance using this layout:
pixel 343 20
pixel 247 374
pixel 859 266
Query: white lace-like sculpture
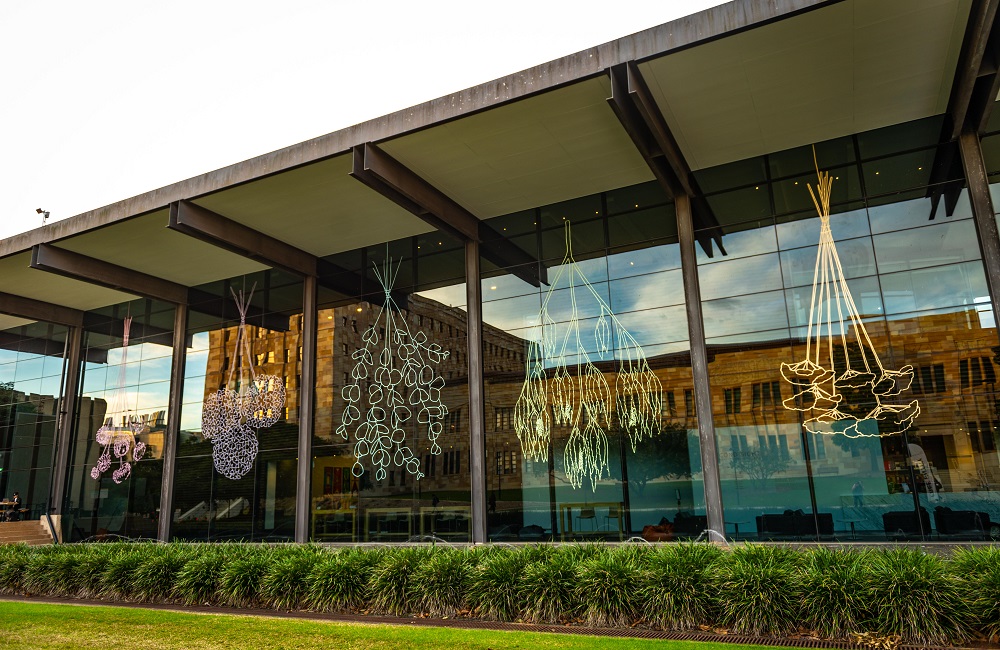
pixel 119 435
pixel 820 388
pixel 563 386
pixel 232 416
pixel 393 382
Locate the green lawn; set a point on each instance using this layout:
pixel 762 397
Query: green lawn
pixel 33 625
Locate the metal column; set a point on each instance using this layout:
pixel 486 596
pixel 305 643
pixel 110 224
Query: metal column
pixel 477 421
pixel 307 404
pixel 982 211
pixel 171 435
pixel 67 418
pixel 699 366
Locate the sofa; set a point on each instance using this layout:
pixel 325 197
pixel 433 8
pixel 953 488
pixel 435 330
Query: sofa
pixel 961 522
pixel 899 524
pixel 794 523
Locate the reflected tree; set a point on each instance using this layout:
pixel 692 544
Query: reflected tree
pixel 759 463
pixel 665 455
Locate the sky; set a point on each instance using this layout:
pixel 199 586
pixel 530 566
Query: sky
pixel 104 100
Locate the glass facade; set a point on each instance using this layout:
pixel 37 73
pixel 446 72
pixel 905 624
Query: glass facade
pixel 590 422
pixel 907 253
pixel 120 382
pixel 391 444
pixel 259 503
pixel 31 374
pixel 852 367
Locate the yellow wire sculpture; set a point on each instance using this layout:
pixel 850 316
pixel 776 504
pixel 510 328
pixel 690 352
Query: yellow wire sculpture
pixel 576 393
pixel 845 395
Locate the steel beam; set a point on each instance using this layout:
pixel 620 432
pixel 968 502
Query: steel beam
pixel 213 228
pixel 477 405
pixel 307 408
pixel 404 187
pixel 40 311
pixel 60 261
pixel 982 213
pixel 633 104
pixel 67 418
pixel 699 368
pixel 172 435
pixel 46 257
pixel 976 80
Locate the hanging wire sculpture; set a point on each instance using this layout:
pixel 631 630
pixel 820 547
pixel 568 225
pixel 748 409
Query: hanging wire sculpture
pixel 246 403
pixel 847 394
pixel 392 379
pixel 563 387
pixel 119 435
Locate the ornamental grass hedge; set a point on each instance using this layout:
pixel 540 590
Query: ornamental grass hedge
pixel 907 594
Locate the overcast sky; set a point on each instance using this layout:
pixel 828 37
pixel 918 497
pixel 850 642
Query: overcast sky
pixel 104 100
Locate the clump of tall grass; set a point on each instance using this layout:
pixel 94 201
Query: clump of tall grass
pixel 389 584
pixel 198 580
pixel 239 582
pixel 155 577
pixel 494 585
pixel 13 559
pixel 835 588
pixel 758 591
pixel 117 581
pixel 284 585
pixel 338 582
pixel 439 584
pixel 548 587
pixel 677 586
pixel 979 571
pixel 913 594
pixel 606 586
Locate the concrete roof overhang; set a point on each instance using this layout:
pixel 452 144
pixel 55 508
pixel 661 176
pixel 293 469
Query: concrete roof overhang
pixel 735 81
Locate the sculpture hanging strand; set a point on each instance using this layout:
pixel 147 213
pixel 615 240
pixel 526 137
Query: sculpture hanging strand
pixel 400 384
pixel 575 393
pixel 121 429
pixel 246 403
pixel 841 380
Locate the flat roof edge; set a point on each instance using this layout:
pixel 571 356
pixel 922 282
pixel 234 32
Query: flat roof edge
pixel 678 34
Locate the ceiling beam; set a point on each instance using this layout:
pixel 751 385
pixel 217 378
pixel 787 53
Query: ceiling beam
pixel 49 258
pixel 404 187
pixel 215 229
pixel 46 257
pixel 39 311
pixel 636 109
pixel 973 93
pixel 976 83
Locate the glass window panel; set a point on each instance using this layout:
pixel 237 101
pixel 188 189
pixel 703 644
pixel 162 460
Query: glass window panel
pixel 742 243
pixel 945 243
pixel 933 288
pixel 912 213
pixel 740 276
pixel 900 137
pixel 759 312
pixel 792 194
pixel 739 206
pixel 732 175
pixel 802 160
pixel 897 173
pixel 804 229
pixel 857 259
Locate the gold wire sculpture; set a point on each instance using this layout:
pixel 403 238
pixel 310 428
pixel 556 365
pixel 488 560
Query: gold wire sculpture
pixel 847 394
pixel 246 403
pixel 393 382
pixel 121 429
pixel 562 385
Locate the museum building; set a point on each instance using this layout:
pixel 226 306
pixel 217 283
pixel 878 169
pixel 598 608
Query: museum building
pixel 734 276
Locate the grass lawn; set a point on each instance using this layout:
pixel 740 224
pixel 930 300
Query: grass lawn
pixel 33 625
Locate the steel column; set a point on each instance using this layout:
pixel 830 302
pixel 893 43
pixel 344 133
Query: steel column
pixel 982 212
pixel 173 432
pixel 699 366
pixel 307 407
pixel 67 417
pixel 477 406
